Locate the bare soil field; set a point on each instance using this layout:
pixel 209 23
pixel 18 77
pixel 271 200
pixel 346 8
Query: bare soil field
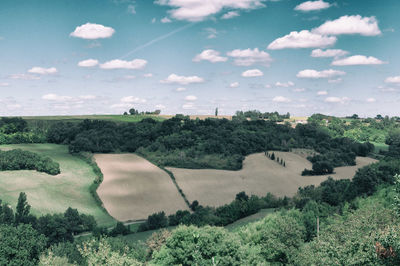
pixel 133 188
pixel 258 176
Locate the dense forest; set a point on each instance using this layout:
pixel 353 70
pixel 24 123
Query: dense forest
pixel 210 143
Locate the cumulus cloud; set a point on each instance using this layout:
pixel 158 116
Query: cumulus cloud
pixel 4 84
pixel 160 106
pixel 198 10
pixel 230 14
pixel 370 100
pixel 210 55
pixel 92 31
pixel 366 26
pixel 180 89
pixel 357 60
pixel 284 84
pixel 395 79
pixel 165 20
pixel 190 98
pixel 248 57
pixel 188 106
pixel 55 97
pixel 252 73
pixel 132 99
pixel 281 99
pixel 42 71
pixel 87 97
pixel 328 53
pixel 302 39
pixel 337 80
pixel 234 84
pixel 337 99
pixel 314 74
pixel 183 80
pixel 299 90
pixel 148 75
pixel 88 63
pixel 322 93
pixel 211 33
pixel 312 6
pixel 122 64
pixel 24 77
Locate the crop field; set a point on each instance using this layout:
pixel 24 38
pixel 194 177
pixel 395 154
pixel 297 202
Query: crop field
pixel 133 188
pixel 53 194
pixel 258 176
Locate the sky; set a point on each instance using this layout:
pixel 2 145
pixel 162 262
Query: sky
pixel 70 57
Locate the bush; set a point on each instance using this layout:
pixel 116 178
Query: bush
pixel 26 160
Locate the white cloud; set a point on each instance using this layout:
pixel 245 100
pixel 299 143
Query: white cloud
pixel 87 97
pixel 250 57
pixel 252 73
pixel 180 89
pixel 211 33
pixel 122 64
pixel 132 9
pixel 395 79
pixel 165 20
pixel 160 106
pixel 88 63
pixel 234 84
pixel 183 80
pixel 210 55
pixel 230 14
pixel 337 99
pixel 132 99
pixel 153 20
pixel 121 105
pixel 357 60
pixel 24 77
pixel 328 53
pixel 198 10
pixel 337 80
pixel 4 84
pixel 92 31
pixel 56 98
pixel 312 6
pixel 42 71
pixel 299 90
pixel 322 93
pixel 302 39
pixel 281 99
pixel 284 84
pixel 188 106
pixel 314 74
pixel 366 26
pixel 148 75
pixel 370 100
pixel 190 98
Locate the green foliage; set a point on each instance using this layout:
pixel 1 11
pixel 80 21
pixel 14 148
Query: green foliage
pixel 278 236
pixel 50 259
pixel 22 210
pixel 397 193
pixel 202 246
pixel 25 160
pixel 101 253
pixel 21 245
pixel 119 229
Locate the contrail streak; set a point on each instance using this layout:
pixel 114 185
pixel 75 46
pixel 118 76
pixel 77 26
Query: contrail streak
pixel 158 39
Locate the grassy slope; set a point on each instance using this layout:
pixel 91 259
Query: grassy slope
pixel 53 194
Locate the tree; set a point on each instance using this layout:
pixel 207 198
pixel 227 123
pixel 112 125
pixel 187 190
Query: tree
pixel 216 111
pixel 119 229
pixel 125 113
pixel 132 111
pixel 22 210
pixel 273 156
pixel 242 196
pixel 194 205
pixel 21 245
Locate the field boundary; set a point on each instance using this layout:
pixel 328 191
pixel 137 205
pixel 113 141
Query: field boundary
pixel 171 175
pixel 88 158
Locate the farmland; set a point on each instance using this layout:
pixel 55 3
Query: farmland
pixel 133 188
pixel 53 194
pixel 258 176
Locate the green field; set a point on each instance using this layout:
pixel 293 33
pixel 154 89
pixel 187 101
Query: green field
pixel 53 194
pixel 79 118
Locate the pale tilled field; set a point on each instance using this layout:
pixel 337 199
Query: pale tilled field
pixel 258 176
pixel 133 188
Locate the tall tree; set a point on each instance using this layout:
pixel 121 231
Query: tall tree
pixel 23 209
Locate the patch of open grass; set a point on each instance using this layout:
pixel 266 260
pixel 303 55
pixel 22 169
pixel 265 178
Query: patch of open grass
pixel 249 219
pixel 54 194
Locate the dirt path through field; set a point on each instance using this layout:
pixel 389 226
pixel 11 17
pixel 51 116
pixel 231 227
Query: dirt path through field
pixel 134 188
pixel 258 176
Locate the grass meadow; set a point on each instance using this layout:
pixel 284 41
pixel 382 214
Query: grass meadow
pixel 53 194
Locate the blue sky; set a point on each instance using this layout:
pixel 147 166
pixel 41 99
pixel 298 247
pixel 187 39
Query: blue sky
pixel 191 56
